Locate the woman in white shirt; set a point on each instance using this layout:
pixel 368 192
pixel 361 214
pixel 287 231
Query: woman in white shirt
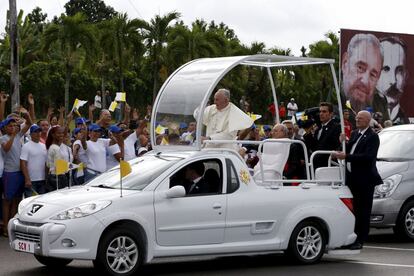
pixel 99 152
pixel 79 154
pixel 56 149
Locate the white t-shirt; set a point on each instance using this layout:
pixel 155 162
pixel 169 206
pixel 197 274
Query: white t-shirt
pixel 96 152
pixel 35 154
pixel 129 146
pixel 110 158
pixel 97 102
pixel 82 156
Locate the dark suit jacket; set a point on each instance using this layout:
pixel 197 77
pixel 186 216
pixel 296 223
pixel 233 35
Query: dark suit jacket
pixel 364 171
pixel 329 140
pixel 201 187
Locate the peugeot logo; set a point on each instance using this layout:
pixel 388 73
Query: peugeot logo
pixel 35 208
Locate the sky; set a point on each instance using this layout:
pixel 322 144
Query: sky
pixel 285 24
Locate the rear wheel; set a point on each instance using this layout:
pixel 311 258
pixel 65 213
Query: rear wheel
pixel 120 252
pixel 52 262
pixel 307 243
pixel 404 227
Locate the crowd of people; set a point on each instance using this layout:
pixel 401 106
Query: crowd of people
pixel 30 148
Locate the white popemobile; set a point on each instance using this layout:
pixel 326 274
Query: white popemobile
pixel 122 226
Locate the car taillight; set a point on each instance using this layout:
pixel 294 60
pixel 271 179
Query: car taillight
pixel 348 203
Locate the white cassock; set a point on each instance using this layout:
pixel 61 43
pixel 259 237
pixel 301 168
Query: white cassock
pixel 224 124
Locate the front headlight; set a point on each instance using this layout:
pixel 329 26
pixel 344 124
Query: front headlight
pixel 388 187
pixel 82 210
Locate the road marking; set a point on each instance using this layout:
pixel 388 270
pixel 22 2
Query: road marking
pixel 381 264
pixel 390 248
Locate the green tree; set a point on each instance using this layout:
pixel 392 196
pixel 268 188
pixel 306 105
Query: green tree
pixel 75 37
pixel 120 37
pixel 95 10
pixel 155 34
pixel 37 18
pixel 187 44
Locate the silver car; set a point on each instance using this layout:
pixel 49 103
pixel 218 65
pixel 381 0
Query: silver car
pixel 394 199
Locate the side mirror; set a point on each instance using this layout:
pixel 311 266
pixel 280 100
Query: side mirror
pixel 176 191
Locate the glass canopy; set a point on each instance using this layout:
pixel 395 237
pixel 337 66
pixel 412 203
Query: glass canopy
pixel 185 94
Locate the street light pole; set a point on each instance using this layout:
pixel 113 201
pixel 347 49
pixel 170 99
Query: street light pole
pixel 14 56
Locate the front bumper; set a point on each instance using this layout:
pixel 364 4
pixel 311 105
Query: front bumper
pixel 51 238
pixel 385 212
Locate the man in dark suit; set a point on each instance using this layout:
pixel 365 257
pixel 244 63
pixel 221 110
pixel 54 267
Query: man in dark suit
pixel 326 136
pixel 194 178
pixel 361 173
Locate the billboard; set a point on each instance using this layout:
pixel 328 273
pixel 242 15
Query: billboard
pixel 376 74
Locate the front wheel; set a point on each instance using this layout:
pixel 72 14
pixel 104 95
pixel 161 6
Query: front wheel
pixel 120 252
pixel 404 227
pixel 52 262
pixel 307 243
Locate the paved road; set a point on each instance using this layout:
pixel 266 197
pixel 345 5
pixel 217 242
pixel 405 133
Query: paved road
pixel 382 255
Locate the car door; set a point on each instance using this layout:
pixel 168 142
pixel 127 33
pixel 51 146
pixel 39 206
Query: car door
pixel 193 219
pixel 252 211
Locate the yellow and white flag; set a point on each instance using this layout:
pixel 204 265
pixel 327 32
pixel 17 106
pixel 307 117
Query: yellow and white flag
pixel 61 166
pixel 120 97
pixel 254 116
pixel 160 129
pixel 261 131
pixel 164 141
pixel 113 106
pixel 125 168
pixel 78 103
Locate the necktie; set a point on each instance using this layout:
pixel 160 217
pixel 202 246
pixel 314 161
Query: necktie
pixel 192 187
pixel 348 165
pixel 320 131
pixel 356 142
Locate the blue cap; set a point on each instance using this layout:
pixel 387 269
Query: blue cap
pixel 95 127
pixel 34 128
pixel 369 109
pixel 8 121
pixel 81 120
pixel 115 129
pixel 183 125
pixel 76 130
pixel 267 128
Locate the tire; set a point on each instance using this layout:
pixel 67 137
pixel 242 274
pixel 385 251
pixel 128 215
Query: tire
pixel 404 228
pixel 52 262
pixel 307 243
pixel 120 252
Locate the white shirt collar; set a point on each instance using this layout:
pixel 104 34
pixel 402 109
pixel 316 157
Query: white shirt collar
pixel 196 180
pixel 363 131
pixel 326 123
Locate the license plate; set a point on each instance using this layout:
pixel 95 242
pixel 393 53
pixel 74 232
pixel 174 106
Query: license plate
pixel 24 246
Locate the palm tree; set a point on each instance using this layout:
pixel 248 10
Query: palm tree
pixel 155 34
pixel 119 37
pixel 76 40
pixel 186 44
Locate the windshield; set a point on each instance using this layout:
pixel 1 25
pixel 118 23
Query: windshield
pixel 143 171
pixel 180 100
pixel 396 145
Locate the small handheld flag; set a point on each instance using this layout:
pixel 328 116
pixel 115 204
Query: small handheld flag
pixel 113 106
pixel 120 97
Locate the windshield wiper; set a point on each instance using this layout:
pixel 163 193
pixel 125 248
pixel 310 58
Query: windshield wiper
pixel 103 186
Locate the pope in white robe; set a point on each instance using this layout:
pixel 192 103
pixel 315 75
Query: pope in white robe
pixel 223 119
